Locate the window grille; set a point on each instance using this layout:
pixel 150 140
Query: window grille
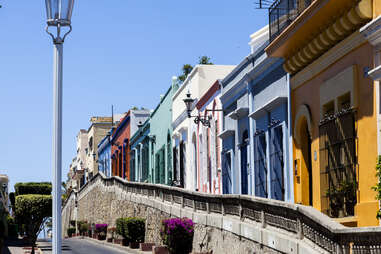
pixel 260 165
pixel 338 163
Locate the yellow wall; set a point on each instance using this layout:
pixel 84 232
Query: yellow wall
pixel 309 93
pixel 376 8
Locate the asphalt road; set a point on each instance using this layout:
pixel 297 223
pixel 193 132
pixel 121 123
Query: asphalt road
pixel 82 246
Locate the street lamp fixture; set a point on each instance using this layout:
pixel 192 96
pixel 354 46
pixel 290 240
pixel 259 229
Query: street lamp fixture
pixel 205 120
pixel 58 14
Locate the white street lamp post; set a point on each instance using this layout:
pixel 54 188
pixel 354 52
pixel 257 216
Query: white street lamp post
pixel 58 14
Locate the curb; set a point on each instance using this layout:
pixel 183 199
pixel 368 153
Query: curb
pixel 112 245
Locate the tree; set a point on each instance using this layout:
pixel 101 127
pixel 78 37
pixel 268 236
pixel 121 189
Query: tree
pixel 33 210
pixel 187 69
pixel 205 60
pixel 33 206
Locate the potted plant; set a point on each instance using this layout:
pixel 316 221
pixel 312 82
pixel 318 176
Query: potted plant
pixel 135 229
pixel 336 202
pixel 83 228
pixel 121 231
pixel 101 231
pixel 70 231
pixel 177 234
pixel 349 191
pixel 111 232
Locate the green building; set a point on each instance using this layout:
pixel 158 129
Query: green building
pixel 161 133
pixel 151 147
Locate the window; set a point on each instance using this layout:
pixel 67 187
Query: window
pixel 338 160
pixel 277 163
pixel 132 166
pixel 329 109
pixel 260 165
pixel 217 147
pixel 227 173
pixel 169 159
pixel 91 143
pixel 344 101
pixel 157 164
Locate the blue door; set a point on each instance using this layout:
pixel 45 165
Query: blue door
pixel 260 165
pixel 277 163
pixel 226 174
pixel 244 180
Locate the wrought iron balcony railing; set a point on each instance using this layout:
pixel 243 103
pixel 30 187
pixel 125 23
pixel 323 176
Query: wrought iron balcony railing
pixel 283 12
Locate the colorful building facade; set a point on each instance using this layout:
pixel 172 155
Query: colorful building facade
pixel 120 142
pixel 104 155
pixel 184 138
pixel 255 137
pixel 333 104
pixel 161 171
pixel 140 154
pixel 209 145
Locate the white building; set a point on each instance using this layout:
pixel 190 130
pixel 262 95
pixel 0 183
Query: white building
pixel 184 151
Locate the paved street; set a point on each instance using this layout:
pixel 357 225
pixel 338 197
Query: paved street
pixel 82 246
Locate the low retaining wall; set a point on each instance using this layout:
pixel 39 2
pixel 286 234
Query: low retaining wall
pixel 224 223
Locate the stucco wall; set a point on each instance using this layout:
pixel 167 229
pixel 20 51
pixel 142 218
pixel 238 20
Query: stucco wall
pixel 161 129
pixel 309 93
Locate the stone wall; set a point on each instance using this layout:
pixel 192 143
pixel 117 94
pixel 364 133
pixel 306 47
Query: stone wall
pixel 224 223
pixel 105 204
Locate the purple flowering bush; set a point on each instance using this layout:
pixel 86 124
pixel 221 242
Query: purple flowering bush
pixel 177 234
pixel 101 230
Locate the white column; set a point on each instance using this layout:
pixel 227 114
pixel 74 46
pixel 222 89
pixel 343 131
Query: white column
pixel 57 148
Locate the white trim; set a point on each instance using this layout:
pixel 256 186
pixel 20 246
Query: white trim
pixel 375 73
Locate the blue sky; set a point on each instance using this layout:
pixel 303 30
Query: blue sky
pixel 121 52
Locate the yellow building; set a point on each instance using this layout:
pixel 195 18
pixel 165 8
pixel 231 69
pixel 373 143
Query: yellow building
pixel 328 53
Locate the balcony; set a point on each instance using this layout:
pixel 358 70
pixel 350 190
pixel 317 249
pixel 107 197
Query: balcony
pixel 283 12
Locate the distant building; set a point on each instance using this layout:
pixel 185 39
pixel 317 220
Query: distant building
pixel 161 171
pixel 77 167
pixel 99 128
pixel 141 145
pixel 119 143
pixel 104 155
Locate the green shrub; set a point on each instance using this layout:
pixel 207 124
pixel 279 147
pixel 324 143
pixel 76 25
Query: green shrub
pixel 131 228
pixel 33 188
pixel 70 231
pixel 12 228
pixel 119 227
pixel 136 229
pixel 83 227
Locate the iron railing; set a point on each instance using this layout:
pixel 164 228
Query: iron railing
pixel 283 12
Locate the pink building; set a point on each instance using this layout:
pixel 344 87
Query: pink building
pixel 209 145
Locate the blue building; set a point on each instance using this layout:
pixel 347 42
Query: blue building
pixel 104 155
pixel 255 155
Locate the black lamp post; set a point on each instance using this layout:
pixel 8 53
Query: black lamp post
pixel 205 120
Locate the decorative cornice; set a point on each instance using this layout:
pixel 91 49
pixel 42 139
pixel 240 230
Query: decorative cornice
pixel 330 36
pixel 335 53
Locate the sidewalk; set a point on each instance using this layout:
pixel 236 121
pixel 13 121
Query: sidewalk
pixel 115 246
pixel 16 247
